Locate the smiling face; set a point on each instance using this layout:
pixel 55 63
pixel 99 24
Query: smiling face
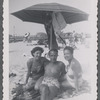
pixel 37 54
pixel 53 56
pixel 68 55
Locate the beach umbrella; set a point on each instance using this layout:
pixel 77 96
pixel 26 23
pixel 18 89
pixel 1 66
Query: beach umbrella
pixel 53 15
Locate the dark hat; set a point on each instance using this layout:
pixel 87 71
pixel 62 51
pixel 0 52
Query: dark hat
pixel 36 49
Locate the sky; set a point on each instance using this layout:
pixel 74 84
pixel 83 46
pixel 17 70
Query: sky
pixel 18 27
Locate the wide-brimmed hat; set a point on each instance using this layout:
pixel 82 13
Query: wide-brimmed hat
pixel 36 49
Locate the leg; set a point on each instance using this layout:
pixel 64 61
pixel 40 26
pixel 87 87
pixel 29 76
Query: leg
pixel 38 83
pixel 29 86
pixel 53 92
pixel 44 89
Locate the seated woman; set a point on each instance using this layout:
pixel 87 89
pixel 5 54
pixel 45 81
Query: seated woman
pixel 74 70
pixel 35 67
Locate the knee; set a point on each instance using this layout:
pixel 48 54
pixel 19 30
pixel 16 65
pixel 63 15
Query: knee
pixel 38 83
pixel 44 89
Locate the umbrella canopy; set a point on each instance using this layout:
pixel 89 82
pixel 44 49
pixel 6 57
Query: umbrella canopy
pixel 54 16
pixel 37 13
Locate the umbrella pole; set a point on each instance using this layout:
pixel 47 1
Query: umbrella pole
pixel 51 39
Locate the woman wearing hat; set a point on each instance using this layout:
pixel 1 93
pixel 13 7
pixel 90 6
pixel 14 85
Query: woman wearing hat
pixel 35 67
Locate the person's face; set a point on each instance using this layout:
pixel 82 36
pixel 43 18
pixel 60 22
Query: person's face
pixel 53 56
pixel 37 54
pixel 68 55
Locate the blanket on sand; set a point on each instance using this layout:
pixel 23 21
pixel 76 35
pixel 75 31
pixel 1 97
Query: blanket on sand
pixel 32 94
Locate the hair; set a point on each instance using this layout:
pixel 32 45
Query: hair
pixel 36 49
pixel 69 48
pixel 55 50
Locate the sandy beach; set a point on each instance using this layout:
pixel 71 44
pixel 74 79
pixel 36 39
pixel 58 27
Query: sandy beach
pixel 19 53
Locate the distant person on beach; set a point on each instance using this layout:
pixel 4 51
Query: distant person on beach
pixel 26 37
pixel 49 84
pixel 35 67
pixel 74 70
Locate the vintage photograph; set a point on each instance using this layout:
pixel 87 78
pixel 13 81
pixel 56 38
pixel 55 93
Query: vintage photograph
pixel 52 49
